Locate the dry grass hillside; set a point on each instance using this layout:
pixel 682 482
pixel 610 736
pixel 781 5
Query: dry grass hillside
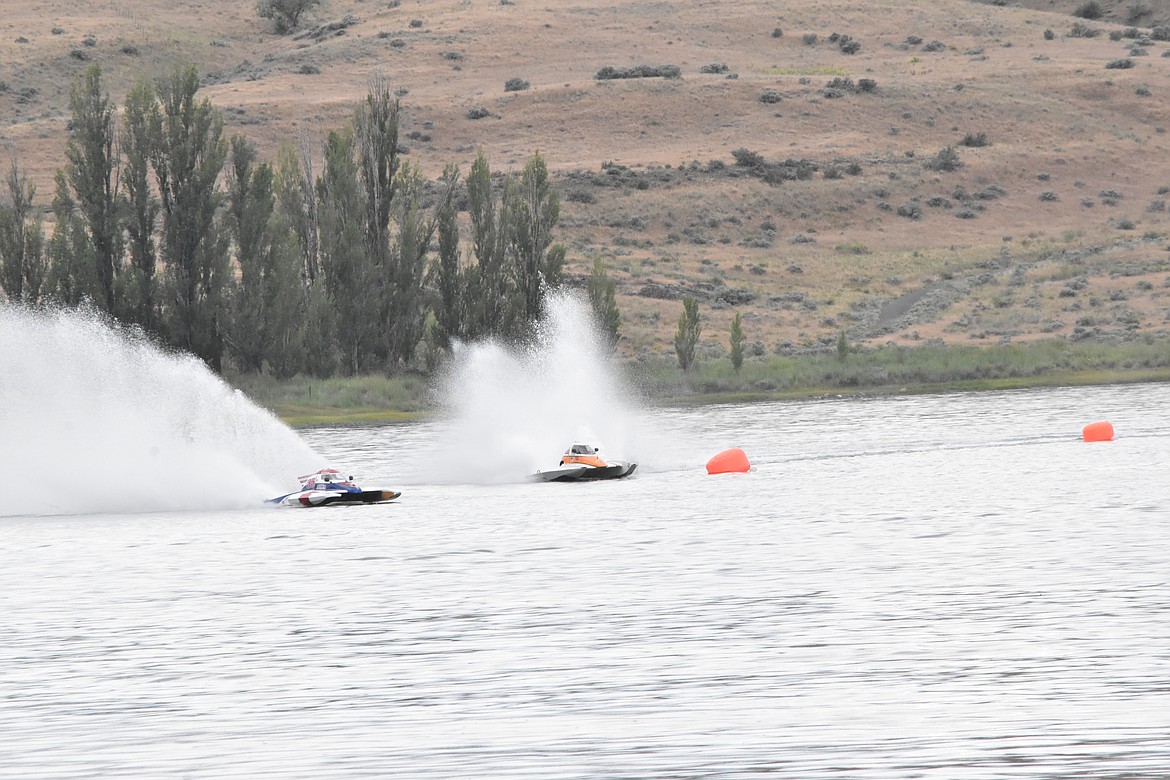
pixel 845 219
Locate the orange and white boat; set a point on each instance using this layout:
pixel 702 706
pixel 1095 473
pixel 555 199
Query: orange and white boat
pixel 582 462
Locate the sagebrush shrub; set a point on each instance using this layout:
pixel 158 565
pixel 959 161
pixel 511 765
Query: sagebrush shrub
pixel 639 72
pixel 1137 12
pixel 285 14
pixel 947 160
pixel 745 158
pixel 1089 10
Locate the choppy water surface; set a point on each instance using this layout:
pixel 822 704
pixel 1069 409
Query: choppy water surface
pixel 939 587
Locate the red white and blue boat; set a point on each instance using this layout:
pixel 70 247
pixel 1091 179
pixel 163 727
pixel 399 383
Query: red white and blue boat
pixel 329 486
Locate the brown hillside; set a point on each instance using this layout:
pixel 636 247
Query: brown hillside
pixel 1057 225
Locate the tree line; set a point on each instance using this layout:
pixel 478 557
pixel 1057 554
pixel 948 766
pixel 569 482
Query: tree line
pixel 165 224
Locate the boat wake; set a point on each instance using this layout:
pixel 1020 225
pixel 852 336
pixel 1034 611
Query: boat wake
pixel 512 411
pixel 96 419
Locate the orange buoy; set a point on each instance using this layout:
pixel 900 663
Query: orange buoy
pixel 730 461
pixel 1098 431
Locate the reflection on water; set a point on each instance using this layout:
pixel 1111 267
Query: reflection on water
pixel 936 587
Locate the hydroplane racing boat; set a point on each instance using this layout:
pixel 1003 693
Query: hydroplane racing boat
pixel 328 486
pixel 581 462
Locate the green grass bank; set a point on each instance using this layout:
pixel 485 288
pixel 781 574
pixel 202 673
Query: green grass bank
pixel 302 401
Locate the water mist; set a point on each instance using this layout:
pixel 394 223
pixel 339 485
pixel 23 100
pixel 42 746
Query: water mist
pixel 512 411
pixel 95 419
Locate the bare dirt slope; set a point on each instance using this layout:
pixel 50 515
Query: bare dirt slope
pixel 1055 223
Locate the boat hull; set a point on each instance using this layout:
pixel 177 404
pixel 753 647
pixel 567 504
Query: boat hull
pixel 575 473
pixel 312 498
pixel 563 474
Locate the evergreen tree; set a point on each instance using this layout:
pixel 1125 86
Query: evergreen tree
pixel 687 337
pixel 139 298
pixel 603 301
pixel 22 252
pixel 187 158
pixel 737 343
pixel 93 174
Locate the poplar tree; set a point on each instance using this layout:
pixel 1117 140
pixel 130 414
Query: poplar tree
pixel 296 241
pixel 92 172
pixel 296 202
pixel 449 280
pixel 532 211
pixel 286 303
pixel 489 286
pixel 375 126
pixel 603 301
pixel 250 207
pixel 687 336
pixel 22 258
pixel 72 277
pixel 736 341
pixel 348 271
pixel 188 156
pixel 405 310
pixel 139 297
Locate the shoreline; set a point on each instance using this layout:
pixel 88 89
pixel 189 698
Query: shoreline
pixel 304 416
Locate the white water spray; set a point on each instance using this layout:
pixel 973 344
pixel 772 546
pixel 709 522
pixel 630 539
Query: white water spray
pixel 94 419
pixel 513 411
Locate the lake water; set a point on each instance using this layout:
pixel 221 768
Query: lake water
pixel 951 586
